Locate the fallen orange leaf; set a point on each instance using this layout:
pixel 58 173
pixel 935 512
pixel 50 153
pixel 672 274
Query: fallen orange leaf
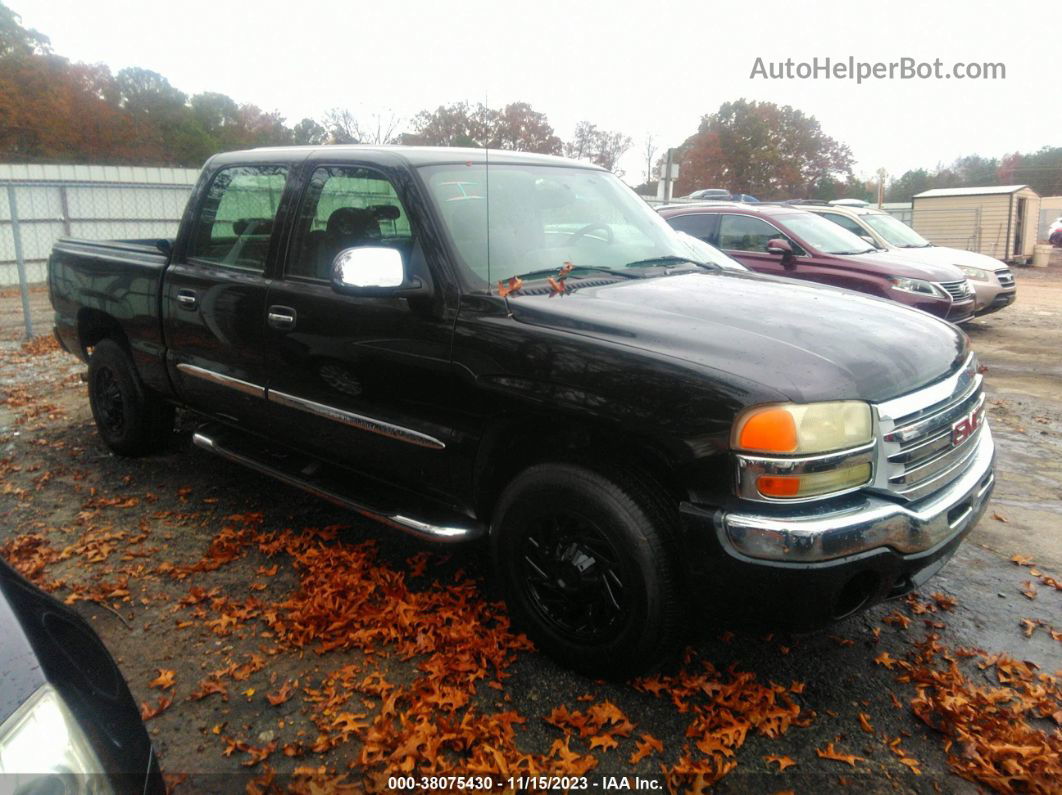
pixel 829 752
pixel 164 680
pixel 782 761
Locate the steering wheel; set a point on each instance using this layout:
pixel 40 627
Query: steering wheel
pixel 580 234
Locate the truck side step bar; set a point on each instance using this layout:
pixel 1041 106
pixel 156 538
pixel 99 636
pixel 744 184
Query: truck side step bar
pixel 222 443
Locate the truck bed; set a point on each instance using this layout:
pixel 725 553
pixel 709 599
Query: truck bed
pixel 117 279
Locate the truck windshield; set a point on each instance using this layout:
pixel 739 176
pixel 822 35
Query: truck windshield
pixel 895 231
pixel 526 219
pixel 826 236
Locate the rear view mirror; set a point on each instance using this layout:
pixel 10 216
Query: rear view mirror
pixel 372 270
pixel 871 241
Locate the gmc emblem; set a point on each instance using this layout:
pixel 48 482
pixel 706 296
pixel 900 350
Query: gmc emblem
pixel 963 429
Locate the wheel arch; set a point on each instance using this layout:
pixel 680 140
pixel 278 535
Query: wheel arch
pixel 512 445
pixel 94 325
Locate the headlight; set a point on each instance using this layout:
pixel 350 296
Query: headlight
pixel 803 450
pixel 41 745
pixel 917 286
pixel 976 274
pixel 804 428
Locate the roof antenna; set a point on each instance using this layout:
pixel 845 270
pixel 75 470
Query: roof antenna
pixel 486 183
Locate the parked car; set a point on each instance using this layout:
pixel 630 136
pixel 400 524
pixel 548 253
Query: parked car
pixel 710 194
pixel 991 279
pixel 67 720
pixel 637 435
pixel 706 253
pixel 785 241
pixel 1054 232
pixel 720 194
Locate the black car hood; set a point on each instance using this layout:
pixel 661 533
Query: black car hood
pixel 43 641
pixel 807 342
pixel 21 674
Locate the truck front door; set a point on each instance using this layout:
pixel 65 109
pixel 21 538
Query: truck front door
pixel 362 381
pixel 214 293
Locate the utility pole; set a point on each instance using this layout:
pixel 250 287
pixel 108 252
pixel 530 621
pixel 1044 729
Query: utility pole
pixel 881 187
pixel 667 175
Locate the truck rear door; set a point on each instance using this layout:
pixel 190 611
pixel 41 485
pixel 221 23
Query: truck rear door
pixel 214 292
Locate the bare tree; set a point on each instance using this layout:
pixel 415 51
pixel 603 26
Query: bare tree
pixel 342 127
pixel 600 147
pixel 381 129
pixel 610 147
pixel 345 128
pixel 649 152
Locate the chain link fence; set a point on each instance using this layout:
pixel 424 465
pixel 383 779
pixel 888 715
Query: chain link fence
pixel 35 212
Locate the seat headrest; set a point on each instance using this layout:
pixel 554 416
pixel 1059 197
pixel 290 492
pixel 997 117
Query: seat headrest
pixel 352 222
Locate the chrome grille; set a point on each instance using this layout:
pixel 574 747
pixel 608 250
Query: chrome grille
pixel 1006 278
pixel 957 290
pixel 923 451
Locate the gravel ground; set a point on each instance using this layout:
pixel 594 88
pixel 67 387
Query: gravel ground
pixel 216 589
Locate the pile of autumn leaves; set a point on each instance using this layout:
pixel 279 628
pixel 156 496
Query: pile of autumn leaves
pixel 460 644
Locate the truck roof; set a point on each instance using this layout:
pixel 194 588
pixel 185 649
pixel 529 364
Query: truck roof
pixel 410 155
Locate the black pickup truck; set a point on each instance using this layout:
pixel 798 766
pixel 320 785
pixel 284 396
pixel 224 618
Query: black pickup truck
pixel 465 344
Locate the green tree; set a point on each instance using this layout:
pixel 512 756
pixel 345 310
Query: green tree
pixel 910 183
pixel 310 132
pixel 215 112
pixel 16 40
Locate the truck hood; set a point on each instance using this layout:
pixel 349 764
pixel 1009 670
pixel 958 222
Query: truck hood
pixel 805 342
pixel 896 263
pixel 943 255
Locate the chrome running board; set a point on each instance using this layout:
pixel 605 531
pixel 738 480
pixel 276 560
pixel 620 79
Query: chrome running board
pixel 448 532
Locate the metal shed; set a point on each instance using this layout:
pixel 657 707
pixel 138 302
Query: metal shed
pixel 998 220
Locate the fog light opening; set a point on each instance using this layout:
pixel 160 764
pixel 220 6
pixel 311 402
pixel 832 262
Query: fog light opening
pixel 855 594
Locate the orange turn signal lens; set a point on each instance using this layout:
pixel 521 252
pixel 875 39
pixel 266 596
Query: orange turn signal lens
pixel 771 430
pixel 779 485
pixel 813 484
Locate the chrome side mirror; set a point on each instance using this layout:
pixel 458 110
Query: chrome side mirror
pixel 372 270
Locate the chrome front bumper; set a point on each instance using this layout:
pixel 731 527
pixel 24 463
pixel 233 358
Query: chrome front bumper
pixel 807 535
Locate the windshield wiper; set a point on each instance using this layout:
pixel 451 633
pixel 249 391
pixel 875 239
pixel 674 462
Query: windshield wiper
pixel 545 272
pixel 668 259
pixel 917 245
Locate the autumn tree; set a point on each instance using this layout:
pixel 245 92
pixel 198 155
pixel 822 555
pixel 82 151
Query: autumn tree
pixel 448 125
pixel 517 126
pixel 53 110
pixel 763 149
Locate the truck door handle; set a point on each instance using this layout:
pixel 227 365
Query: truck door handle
pixel 187 299
pixel 282 318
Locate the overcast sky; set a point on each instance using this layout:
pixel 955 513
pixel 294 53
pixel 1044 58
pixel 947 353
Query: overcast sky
pixel 637 67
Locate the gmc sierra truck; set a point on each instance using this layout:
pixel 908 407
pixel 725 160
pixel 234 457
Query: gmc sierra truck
pixel 463 344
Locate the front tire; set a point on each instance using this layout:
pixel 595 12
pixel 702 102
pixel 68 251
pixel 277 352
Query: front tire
pixel 131 420
pixel 588 569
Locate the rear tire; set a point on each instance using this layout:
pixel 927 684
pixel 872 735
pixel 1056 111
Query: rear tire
pixel 131 420
pixel 588 569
